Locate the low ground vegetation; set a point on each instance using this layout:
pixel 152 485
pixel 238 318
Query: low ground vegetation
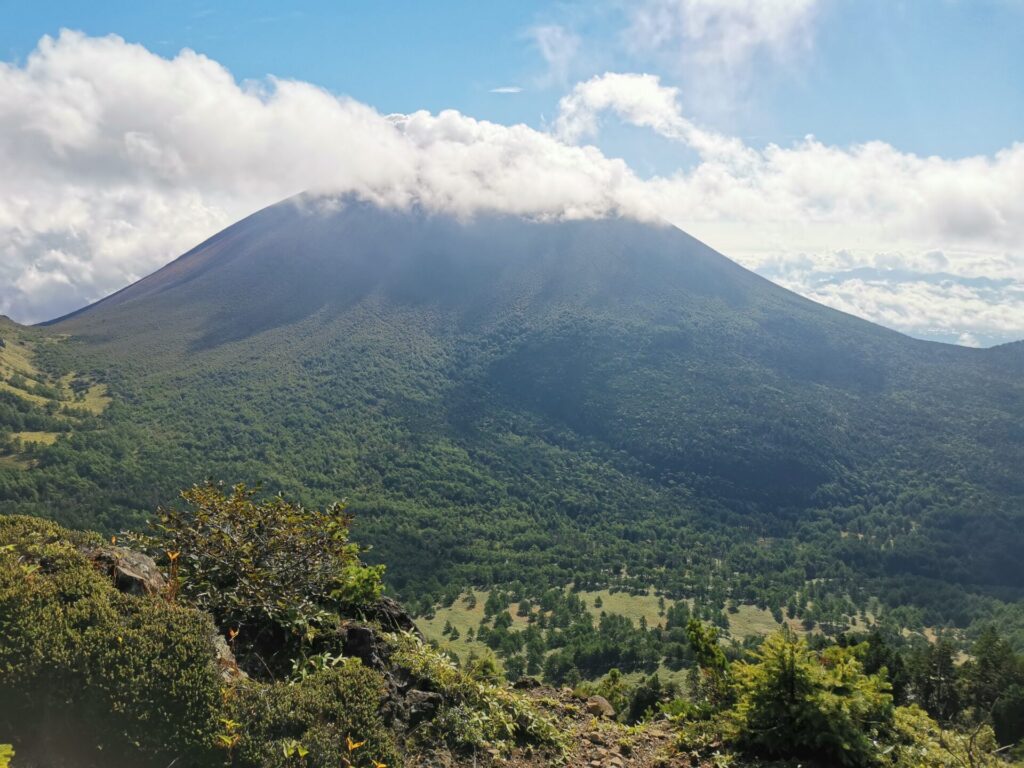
pixel 186 669
pixel 233 654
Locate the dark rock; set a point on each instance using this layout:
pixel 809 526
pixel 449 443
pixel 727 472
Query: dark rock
pixel 526 682
pixel 421 705
pixel 131 571
pixel 391 617
pixel 363 643
pixel 598 706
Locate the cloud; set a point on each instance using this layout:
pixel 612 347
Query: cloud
pixel 116 160
pixel 640 100
pixel 507 89
pixel 949 311
pixel 558 46
pixel 783 210
pixel 721 36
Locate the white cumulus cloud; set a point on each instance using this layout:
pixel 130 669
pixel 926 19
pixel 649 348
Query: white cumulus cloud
pixel 116 160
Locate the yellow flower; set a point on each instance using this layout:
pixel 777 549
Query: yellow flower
pixel 113 539
pixel 353 745
pixel 378 765
pixel 172 556
pixel 232 634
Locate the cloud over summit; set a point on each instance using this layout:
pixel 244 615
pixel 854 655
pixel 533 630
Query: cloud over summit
pixel 116 160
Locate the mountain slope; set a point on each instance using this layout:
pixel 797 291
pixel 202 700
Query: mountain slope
pixel 588 401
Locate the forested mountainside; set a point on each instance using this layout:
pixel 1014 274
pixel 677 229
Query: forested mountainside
pixel 533 404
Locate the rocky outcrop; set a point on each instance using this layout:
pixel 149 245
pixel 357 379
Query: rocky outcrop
pixel 138 574
pixel 526 682
pixel 598 706
pixel 391 617
pixel 421 705
pixel 130 571
pixel 227 666
pixel 363 640
pixel 407 702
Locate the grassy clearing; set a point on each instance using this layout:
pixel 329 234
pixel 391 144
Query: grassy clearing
pixel 95 400
pixel 41 438
pixel 29 396
pixel 462 618
pixel 18 371
pixel 750 621
pixel 20 376
pixel 16 356
pixel 632 607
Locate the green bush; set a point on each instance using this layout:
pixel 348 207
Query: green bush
pixel 794 702
pixel 133 672
pixel 279 574
pixel 477 713
pixel 328 711
pixel 917 740
pixel 87 669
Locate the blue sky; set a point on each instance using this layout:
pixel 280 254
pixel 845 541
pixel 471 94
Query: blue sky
pixel 929 76
pixel 868 154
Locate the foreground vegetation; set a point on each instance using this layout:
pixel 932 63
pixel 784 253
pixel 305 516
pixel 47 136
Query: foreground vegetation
pixel 236 658
pixel 786 700
pixel 262 641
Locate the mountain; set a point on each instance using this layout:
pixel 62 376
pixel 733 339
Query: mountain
pixel 599 402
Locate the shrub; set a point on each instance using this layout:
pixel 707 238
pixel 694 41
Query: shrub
pixel 131 671
pixel 323 715
pixel 917 740
pixel 477 713
pixel 279 574
pixel 792 701
pixel 709 678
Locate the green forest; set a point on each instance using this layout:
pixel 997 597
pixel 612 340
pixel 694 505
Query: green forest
pixel 671 421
